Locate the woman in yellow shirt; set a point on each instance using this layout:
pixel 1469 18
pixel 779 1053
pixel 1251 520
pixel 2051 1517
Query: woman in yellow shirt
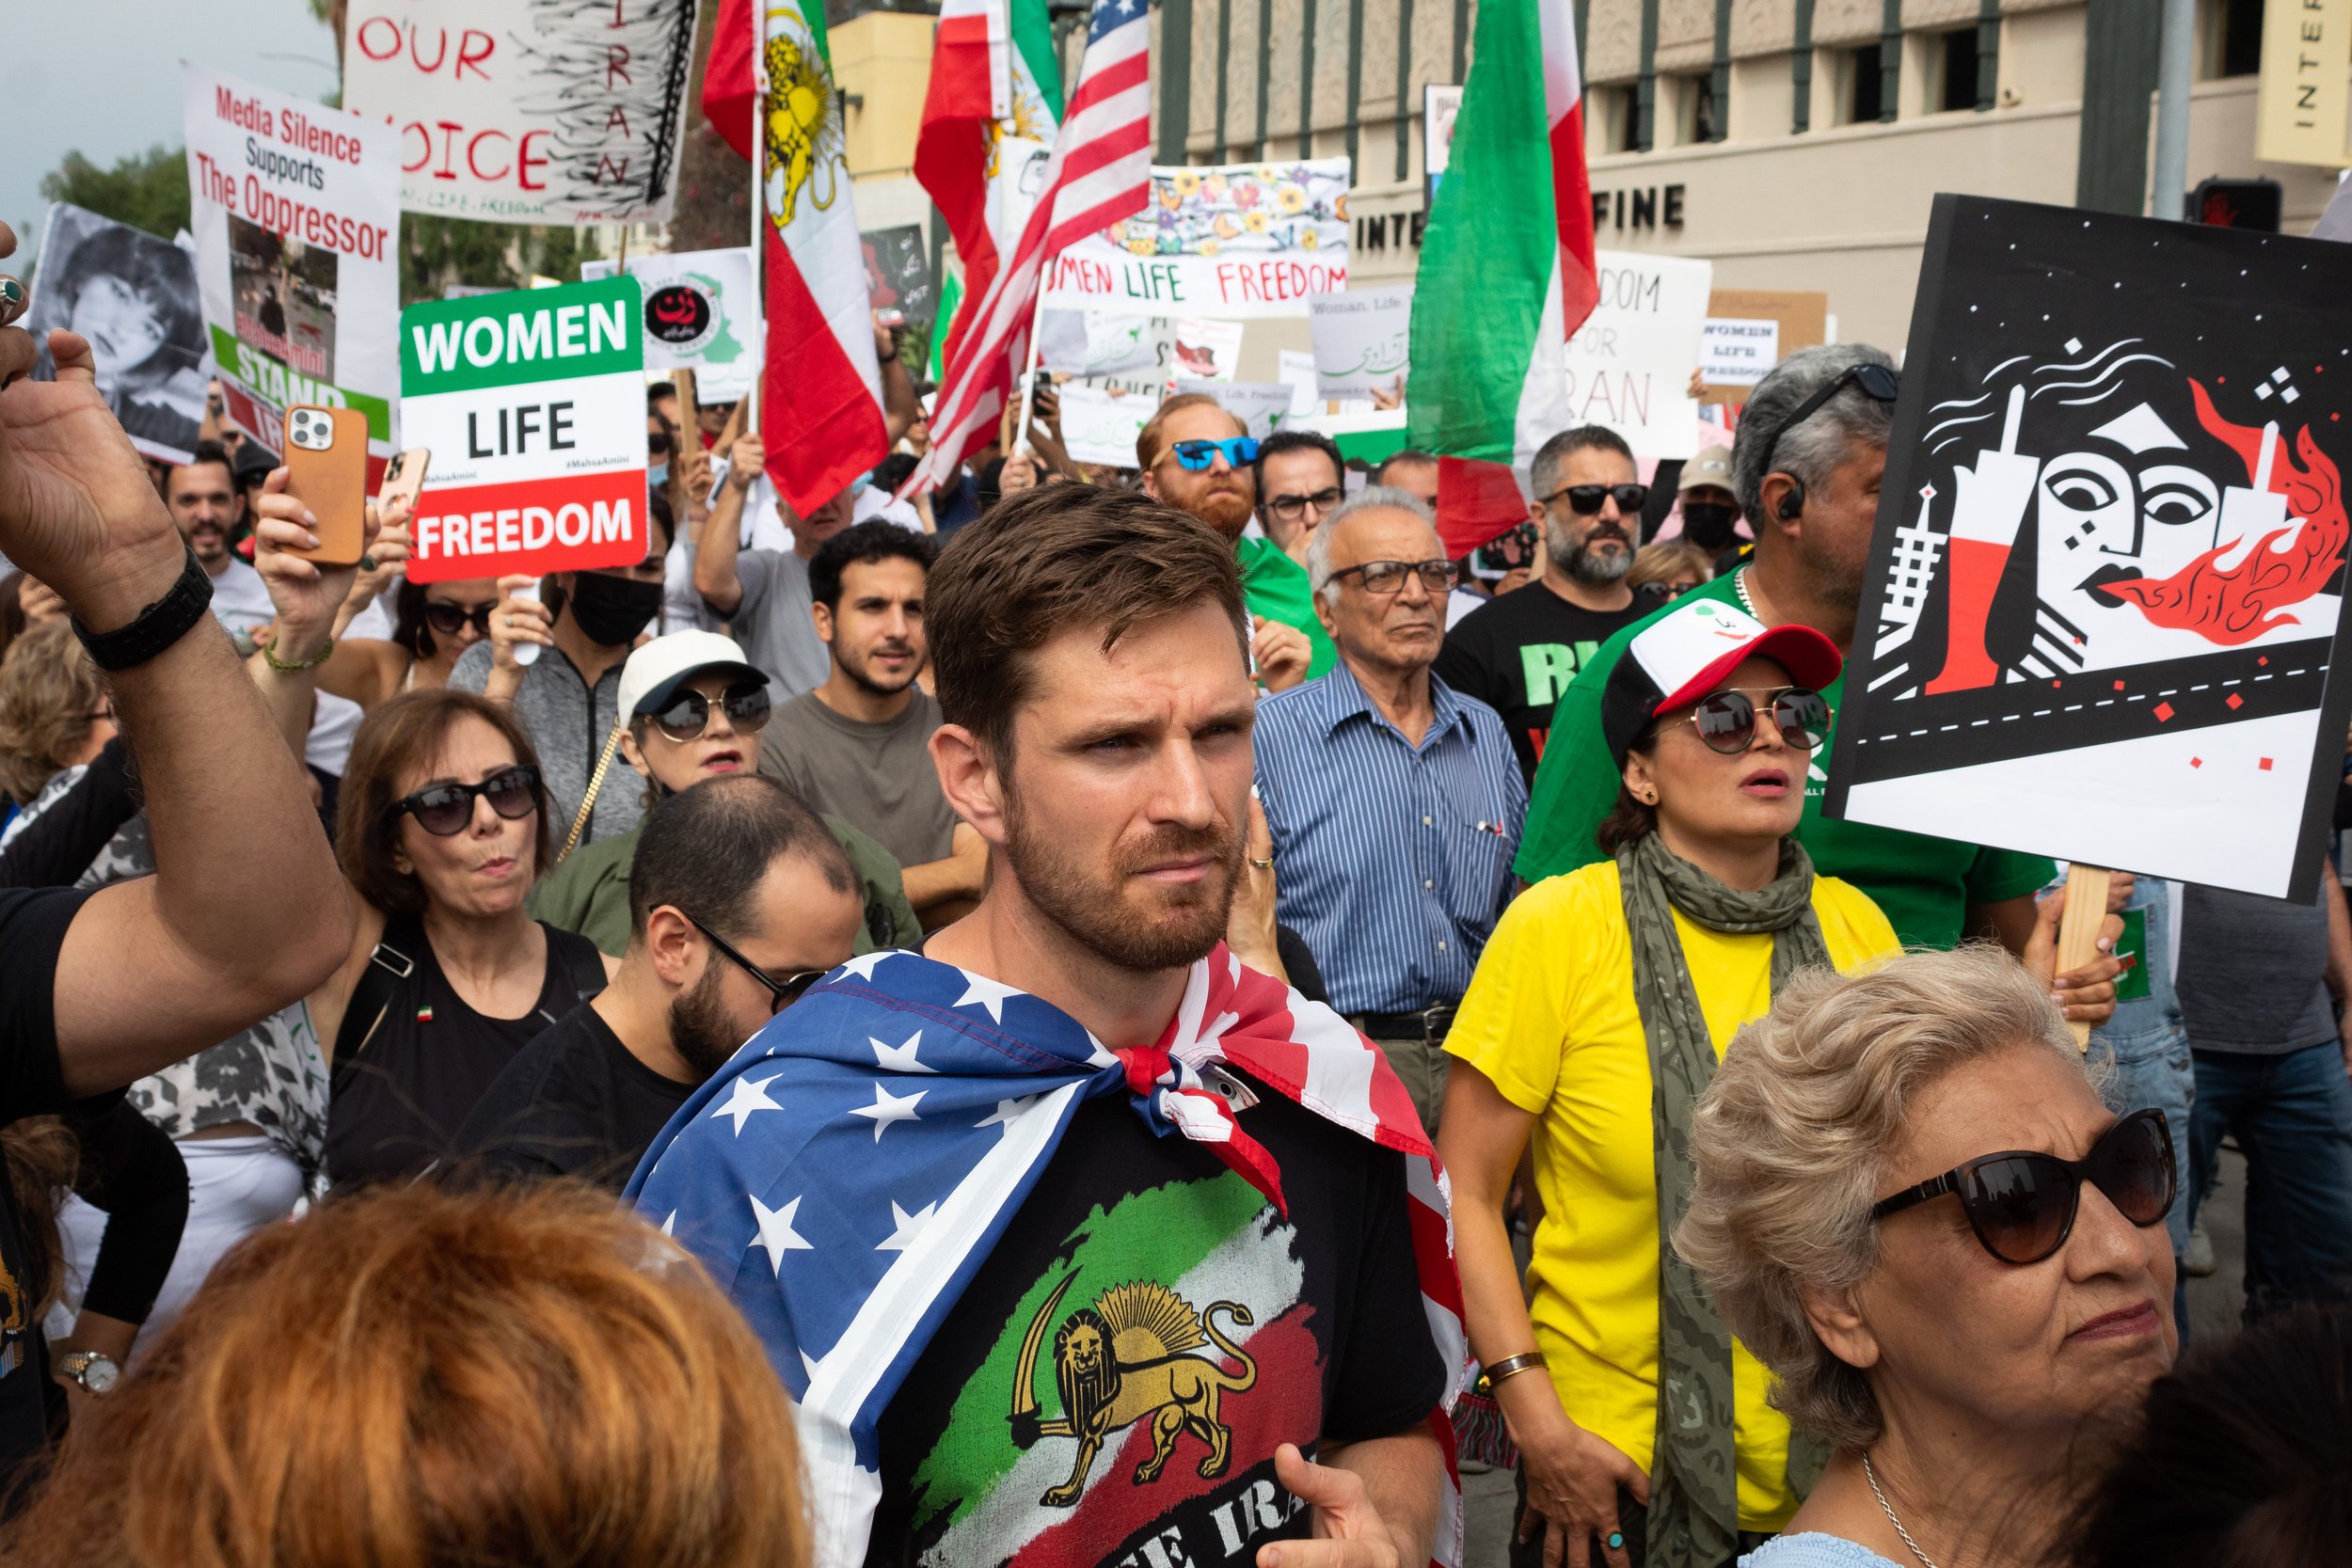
pixel 1594 1021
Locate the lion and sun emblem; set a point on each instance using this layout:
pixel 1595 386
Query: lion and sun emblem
pixel 1127 1356
pixel 807 147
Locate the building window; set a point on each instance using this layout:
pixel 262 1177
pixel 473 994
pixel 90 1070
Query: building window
pixel 1858 82
pixel 1956 53
pixel 1617 114
pixel 2229 38
pixel 1698 116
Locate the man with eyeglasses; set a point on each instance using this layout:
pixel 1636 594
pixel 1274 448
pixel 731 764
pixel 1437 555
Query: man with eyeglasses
pixel 1394 800
pixel 739 901
pixel 1199 459
pixel 1299 481
pixel 1519 653
pixel 1805 466
pixel 697 712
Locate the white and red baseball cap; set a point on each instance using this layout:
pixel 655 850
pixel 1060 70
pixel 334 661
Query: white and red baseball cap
pixel 1686 653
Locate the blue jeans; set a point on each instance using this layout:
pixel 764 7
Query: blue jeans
pixel 2149 1064
pixel 2293 1116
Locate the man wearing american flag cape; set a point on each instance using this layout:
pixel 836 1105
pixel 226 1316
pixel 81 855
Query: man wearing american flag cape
pixel 1075 1240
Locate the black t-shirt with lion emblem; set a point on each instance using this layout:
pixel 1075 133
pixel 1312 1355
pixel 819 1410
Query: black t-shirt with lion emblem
pixel 1174 1330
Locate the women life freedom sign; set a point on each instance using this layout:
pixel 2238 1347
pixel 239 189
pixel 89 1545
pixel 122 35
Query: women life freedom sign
pixel 534 407
pixel 296 210
pixel 2106 590
pixel 1240 241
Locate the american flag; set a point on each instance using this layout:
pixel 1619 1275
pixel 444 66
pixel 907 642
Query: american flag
pixel 1100 173
pixel 847 1175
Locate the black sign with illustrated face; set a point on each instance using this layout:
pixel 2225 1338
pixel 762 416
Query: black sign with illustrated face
pixel 2104 591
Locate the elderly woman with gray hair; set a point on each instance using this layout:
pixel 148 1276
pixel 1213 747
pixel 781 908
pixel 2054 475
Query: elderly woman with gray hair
pixel 1912 1208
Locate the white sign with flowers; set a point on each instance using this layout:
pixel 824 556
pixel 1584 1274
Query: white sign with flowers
pixel 1244 240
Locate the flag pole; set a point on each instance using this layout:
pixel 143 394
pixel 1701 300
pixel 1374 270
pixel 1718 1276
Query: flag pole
pixel 760 202
pixel 1028 377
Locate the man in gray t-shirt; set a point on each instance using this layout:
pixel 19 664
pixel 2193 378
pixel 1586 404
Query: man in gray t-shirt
pixel 858 747
pixel 764 595
pixel 2262 983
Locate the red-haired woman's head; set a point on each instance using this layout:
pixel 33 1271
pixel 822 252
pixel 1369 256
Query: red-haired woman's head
pixel 421 1378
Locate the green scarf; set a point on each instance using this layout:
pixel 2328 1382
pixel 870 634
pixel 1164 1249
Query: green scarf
pixel 1694 1490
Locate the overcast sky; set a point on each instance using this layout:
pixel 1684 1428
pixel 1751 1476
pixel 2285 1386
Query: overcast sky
pixel 103 77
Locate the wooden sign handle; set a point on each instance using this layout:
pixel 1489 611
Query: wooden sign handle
pixel 2085 912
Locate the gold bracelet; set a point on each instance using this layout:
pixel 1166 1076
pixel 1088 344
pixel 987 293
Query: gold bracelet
pixel 1512 1365
pixel 269 656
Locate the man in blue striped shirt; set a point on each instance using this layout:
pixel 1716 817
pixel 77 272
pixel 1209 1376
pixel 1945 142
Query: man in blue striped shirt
pixel 1394 801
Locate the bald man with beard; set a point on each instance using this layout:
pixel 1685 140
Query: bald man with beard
pixel 1290 645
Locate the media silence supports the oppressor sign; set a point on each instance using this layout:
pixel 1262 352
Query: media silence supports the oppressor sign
pixel 532 405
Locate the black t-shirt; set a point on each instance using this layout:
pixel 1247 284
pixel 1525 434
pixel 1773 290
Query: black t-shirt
pixel 1518 652
pixel 573 1103
pixel 32 1083
pixel 1164 1296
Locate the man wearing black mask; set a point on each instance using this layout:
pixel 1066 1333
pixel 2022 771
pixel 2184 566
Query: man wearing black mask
pixel 556 660
pixel 1710 513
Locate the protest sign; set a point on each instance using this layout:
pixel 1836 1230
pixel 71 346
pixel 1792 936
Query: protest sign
pixel 1122 353
pixel 1629 365
pixel 533 405
pixel 1362 343
pixel 1099 426
pixel 1295 370
pixel 1240 241
pixel 701 314
pixel 1207 350
pixel 520 111
pixel 1262 406
pixel 898 275
pixel 135 297
pixel 295 211
pixel 1748 331
pixel 2102 600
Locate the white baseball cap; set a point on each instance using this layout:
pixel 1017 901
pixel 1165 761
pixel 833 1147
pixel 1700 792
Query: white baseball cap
pixel 1708 466
pixel 1682 655
pixel 655 672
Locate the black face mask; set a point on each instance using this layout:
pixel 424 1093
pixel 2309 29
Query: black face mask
pixel 611 610
pixel 1709 524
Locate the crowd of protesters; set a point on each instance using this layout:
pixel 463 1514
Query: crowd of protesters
pixel 516 1073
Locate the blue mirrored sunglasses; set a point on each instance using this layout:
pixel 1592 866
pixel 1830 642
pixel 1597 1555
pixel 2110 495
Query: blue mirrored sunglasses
pixel 1240 450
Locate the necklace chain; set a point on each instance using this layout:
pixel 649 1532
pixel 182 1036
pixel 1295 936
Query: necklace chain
pixel 1739 586
pixel 1872 1476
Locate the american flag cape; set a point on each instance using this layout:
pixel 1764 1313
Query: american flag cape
pixel 846 1176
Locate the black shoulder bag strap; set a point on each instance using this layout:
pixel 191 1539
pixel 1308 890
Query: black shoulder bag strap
pixel 391 969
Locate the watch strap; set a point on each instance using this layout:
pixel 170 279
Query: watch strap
pixel 156 628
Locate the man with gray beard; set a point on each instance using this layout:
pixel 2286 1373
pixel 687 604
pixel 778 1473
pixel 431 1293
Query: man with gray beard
pixel 1519 653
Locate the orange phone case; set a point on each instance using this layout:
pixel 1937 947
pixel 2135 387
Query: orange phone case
pixel 327 469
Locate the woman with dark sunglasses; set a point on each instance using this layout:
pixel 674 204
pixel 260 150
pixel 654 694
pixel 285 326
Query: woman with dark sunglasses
pixel 1596 1017
pixel 441 828
pixel 432 623
pixel 1912 1206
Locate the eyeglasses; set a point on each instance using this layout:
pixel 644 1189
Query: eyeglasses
pixel 1196 456
pixel 450 619
pixel 689 713
pixel 1876 381
pixel 1726 719
pixel 1290 508
pixel 1384 578
pixel 1585 499
pixel 2022 1204
pixel 444 809
pixel 781 993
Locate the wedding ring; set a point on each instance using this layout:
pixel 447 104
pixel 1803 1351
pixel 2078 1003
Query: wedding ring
pixel 12 300
pixel 367 561
pixel 1265 864
pixel 1616 1540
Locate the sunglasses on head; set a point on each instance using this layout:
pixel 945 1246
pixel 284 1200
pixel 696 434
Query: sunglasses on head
pixel 1195 457
pixel 688 714
pixel 1726 719
pixel 2022 1204
pixel 781 993
pixel 1585 499
pixel 444 809
pixel 1383 577
pixel 450 619
pixel 1876 381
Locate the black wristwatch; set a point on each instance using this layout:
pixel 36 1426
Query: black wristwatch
pixel 157 626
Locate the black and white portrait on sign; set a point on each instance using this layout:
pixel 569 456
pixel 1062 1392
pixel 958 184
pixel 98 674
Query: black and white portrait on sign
pixel 135 297
pixel 2107 586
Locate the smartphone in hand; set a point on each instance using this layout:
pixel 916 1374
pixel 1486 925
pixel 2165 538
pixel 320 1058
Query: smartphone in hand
pixel 404 476
pixel 326 470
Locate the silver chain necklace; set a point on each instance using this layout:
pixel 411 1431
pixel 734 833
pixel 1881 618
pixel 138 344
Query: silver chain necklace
pixel 1739 586
pixel 1872 1476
